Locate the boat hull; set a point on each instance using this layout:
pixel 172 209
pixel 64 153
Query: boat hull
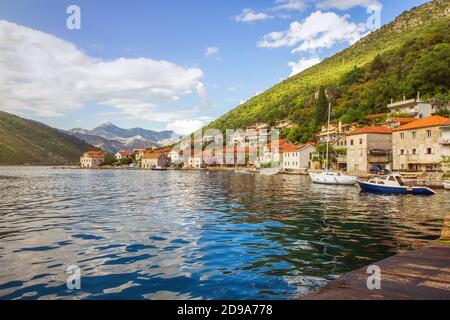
pixel 447 185
pixel 322 178
pixel 376 188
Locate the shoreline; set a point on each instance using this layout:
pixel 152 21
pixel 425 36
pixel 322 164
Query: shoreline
pixel 419 274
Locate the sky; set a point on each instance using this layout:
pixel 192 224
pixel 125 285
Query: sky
pixel 165 64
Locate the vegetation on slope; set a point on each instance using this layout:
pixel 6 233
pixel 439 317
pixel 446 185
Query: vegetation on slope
pixel 408 55
pixel 29 142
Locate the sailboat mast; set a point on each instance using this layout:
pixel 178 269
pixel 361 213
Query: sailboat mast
pixel 328 134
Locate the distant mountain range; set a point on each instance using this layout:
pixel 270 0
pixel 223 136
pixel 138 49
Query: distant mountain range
pixel 111 138
pixel 30 142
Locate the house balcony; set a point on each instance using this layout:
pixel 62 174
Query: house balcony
pixel 380 156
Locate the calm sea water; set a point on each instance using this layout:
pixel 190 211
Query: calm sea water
pixel 193 235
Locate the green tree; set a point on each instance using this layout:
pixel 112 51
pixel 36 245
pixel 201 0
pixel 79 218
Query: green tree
pixel 321 107
pixel 109 159
pixel 377 65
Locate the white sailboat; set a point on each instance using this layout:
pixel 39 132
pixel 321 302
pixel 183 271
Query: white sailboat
pixel 328 176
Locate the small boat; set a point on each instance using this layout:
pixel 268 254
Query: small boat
pixel 269 171
pixel 332 177
pixel 447 185
pixel 393 184
pixel 328 176
pixel 158 169
pixel 242 171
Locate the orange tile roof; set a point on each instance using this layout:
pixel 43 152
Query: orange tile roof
pixel 403 120
pixel 152 154
pixel 433 121
pixel 294 148
pixel 124 153
pixel 94 154
pixel 371 129
pixel 286 149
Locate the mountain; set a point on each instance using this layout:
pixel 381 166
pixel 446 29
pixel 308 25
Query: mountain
pixel 29 142
pixel 408 55
pixel 110 146
pixel 111 138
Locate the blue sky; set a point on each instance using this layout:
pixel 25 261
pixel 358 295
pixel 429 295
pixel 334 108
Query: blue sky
pixel 164 64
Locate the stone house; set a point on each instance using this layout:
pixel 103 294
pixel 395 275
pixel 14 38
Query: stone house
pixel 418 146
pixel 92 159
pixel 368 147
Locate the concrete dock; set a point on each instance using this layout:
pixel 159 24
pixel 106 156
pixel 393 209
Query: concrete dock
pixel 422 274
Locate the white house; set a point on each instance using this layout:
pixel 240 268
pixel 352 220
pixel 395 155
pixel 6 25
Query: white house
pixel 298 157
pixel 123 155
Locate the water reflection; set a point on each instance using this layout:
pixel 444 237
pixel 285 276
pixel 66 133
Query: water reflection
pixel 191 235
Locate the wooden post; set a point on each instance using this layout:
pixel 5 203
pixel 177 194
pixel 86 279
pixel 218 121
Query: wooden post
pixel 446 228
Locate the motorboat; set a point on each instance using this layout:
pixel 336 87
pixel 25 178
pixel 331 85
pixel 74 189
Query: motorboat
pixel 332 177
pixel 393 184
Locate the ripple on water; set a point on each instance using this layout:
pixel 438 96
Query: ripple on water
pixel 178 235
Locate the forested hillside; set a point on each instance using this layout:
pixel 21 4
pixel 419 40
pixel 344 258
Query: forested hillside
pixel 28 142
pixel 409 55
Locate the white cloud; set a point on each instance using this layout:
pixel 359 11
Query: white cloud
pixel 347 4
pixel 290 5
pixel 185 127
pixel 211 51
pixel 303 64
pixel 43 74
pixel 319 30
pixel 248 15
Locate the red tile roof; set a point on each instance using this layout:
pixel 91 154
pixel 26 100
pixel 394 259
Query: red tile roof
pixel 433 121
pixel 94 154
pixel 125 153
pixel 152 154
pixel 403 120
pixel 285 148
pixel 294 148
pixel 371 129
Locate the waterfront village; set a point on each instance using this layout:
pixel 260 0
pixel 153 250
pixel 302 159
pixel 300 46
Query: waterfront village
pixel 411 138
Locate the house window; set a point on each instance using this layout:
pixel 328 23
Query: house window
pixel 351 142
pixel 414 135
pixel 429 133
pixel 402 136
pixel 429 151
pixel 414 151
pixel 360 141
pixel 402 152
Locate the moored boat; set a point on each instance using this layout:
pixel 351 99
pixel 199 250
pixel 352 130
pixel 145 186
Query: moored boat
pixel 332 177
pixel 242 171
pixel 447 185
pixel 158 169
pixel 328 176
pixel 269 171
pixel 393 184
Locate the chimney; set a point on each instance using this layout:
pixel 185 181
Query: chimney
pixel 404 98
pixel 418 96
pixel 392 100
pixel 340 126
